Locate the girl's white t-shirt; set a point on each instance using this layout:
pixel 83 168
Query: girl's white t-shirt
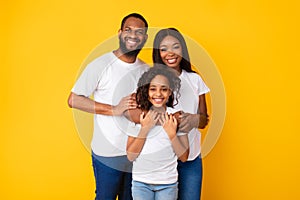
pixel 157 162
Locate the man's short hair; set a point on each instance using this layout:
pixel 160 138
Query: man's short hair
pixel 135 15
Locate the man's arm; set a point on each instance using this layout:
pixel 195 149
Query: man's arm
pixel 89 105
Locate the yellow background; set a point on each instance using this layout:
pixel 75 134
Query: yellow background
pixel 255 45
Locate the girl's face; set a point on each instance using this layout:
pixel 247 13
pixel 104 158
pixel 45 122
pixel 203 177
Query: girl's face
pixel 171 52
pixel 159 91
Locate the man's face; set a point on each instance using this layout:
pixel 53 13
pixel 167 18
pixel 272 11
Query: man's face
pixel 133 36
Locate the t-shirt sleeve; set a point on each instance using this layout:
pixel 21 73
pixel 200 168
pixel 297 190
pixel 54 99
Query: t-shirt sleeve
pixel 202 87
pixel 180 133
pixel 87 82
pixel 133 129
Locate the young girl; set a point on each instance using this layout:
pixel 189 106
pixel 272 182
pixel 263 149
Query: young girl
pixel 155 149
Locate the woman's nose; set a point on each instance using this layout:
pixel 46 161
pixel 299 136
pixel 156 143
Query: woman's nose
pixel 170 52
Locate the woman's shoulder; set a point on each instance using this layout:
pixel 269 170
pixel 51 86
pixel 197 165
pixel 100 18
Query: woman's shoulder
pixel 191 75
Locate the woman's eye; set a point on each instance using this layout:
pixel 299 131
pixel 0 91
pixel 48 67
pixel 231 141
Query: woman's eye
pixel 176 47
pixel 163 49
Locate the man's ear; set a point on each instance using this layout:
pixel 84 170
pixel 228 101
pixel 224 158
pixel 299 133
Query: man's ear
pixel 119 32
pixel 146 37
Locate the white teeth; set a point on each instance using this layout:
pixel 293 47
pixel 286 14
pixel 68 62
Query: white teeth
pixel 158 100
pixel 171 61
pixel 131 41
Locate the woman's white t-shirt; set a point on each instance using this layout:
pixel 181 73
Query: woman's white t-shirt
pixel 192 86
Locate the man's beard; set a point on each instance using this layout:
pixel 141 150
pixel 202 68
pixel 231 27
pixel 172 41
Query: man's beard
pixel 127 52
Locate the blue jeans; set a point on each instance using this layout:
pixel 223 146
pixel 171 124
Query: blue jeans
pixel 113 177
pixel 144 191
pixel 190 179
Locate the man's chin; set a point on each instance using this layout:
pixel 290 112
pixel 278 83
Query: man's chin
pixel 132 53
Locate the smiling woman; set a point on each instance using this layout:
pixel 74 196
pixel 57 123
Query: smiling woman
pixel 171 52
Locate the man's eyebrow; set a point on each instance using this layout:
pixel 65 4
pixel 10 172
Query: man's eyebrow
pixel 134 28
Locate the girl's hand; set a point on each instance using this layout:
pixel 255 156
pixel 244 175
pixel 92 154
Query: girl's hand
pixel 149 120
pixel 169 123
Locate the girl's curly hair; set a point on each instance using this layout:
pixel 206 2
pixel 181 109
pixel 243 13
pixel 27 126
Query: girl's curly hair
pixel 144 84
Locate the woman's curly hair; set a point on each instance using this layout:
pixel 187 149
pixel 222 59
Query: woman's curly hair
pixel 144 84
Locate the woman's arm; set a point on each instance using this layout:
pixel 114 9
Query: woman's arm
pixel 202 110
pixel 199 120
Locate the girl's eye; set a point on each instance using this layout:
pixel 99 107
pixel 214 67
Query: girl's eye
pixel 165 89
pixel 163 49
pixel 152 89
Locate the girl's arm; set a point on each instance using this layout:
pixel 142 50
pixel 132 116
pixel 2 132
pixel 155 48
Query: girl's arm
pixel 136 144
pixel 180 144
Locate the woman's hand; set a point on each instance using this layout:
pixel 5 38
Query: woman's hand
pixel 189 121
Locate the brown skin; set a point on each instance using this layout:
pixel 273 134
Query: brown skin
pixel 186 121
pixel 147 120
pixel 89 105
pixel 134 115
pixel 199 120
pixel 171 51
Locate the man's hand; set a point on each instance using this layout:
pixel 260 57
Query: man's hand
pixel 126 103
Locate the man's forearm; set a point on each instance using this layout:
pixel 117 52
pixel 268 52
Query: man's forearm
pixel 88 105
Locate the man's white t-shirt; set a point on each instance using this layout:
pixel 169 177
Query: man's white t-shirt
pixel 157 162
pixel 192 86
pixel 109 79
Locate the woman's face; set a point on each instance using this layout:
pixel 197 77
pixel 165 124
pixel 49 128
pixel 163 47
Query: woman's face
pixel 159 91
pixel 171 52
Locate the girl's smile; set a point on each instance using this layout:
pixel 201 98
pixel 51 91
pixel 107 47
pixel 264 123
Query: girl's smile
pixel 159 91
